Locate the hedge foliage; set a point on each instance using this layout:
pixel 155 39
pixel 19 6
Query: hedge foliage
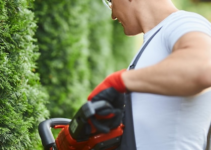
pixel 63 43
pixel 76 41
pixel 22 98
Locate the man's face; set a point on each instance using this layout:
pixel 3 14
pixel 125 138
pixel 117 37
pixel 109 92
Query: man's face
pixel 122 10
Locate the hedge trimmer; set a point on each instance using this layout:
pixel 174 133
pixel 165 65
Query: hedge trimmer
pixel 84 131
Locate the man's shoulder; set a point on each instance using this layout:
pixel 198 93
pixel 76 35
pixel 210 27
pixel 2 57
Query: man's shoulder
pixel 181 23
pixel 186 17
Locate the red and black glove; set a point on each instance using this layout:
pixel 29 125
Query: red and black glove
pixel 111 90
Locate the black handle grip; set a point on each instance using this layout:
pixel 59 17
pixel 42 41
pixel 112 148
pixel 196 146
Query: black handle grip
pixel 89 108
pixel 45 130
pixel 101 104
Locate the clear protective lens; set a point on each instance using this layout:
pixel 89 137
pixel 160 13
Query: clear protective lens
pixel 107 3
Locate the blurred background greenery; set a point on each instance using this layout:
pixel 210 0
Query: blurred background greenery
pixel 199 6
pixel 79 46
pixel 53 53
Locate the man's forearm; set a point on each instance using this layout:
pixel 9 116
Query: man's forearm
pixel 178 75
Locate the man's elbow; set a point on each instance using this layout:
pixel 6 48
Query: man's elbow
pixel 204 78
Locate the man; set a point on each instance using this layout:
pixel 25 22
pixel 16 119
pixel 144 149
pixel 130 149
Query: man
pixel 169 80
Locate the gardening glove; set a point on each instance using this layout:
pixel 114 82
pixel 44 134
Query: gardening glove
pixel 105 120
pixel 111 90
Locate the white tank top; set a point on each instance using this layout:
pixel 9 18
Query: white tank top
pixel 168 122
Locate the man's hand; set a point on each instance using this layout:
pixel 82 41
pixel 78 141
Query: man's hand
pixel 111 90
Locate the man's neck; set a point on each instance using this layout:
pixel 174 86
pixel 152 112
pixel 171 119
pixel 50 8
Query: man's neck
pixel 152 13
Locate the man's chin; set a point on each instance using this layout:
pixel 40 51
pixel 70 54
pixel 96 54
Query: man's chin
pixel 130 32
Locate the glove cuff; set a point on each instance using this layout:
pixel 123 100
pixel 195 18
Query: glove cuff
pixel 117 81
pixel 112 81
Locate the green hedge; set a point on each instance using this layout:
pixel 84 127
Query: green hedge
pixel 101 62
pixel 76 41
pixel 21 97
pixel 124 47
pixel 63 42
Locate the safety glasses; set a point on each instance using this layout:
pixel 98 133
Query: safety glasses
pixel 108 3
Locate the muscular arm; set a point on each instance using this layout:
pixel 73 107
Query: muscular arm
pixel 187 71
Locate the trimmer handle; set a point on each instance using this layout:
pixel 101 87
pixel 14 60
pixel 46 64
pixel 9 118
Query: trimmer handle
pixel 45 130
pixel 77 124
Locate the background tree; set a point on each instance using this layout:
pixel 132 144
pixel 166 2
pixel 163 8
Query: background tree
pixel 22 98
pixel 79 46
